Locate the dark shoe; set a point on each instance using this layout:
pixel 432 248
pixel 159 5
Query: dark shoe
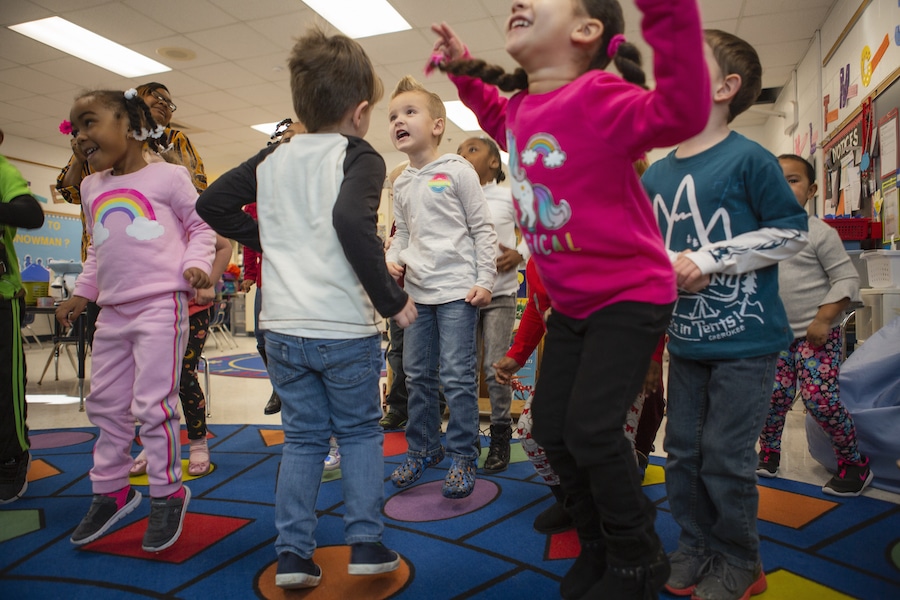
pixel 724 581
pixel 637 567
pixel 643 461
pixel 498 455
pixel 850 479
pixel 393 420
pixel 686 571
pixel 102 515
pixel 413 468
pixel 166 518
pixel 589 567
pixel 460 479
pixel 768 463
pixel 14 477
pixel 273 406
pixel 371 558
pixel 554 519
pixel 295 572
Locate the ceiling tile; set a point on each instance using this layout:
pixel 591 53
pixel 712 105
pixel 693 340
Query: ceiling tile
pixel 234 42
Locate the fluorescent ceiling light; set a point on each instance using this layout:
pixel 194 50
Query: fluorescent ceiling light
pixel 266 128
pixel 464 118
pixel 360 18
pixel 87 45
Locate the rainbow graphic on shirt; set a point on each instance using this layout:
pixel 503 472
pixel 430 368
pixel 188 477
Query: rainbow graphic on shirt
pixel 131 203
pixel 439 183
pixel 546 147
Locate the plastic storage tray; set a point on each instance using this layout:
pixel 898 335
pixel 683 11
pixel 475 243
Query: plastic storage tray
pixel 856 229
pixel 883 268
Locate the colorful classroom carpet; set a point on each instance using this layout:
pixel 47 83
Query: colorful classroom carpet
pixel 238 365
pixel 814 546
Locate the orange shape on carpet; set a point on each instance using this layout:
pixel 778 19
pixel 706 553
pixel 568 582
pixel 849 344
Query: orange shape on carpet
pixel 790 509
pixel 198 533
pixel 41 469
pixel 336 583
pixel 394 442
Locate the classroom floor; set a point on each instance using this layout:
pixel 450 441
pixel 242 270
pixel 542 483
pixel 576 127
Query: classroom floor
pixel 240 400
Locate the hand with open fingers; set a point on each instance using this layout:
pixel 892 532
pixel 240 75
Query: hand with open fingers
pixel 478 296
pixel 407 315
pixel 197 278
pixel 448 43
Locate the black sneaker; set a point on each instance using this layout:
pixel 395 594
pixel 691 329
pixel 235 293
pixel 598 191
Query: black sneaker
pixel 768 463
pixel 393 420
pixel 102 515
pixel 553 520
pixel 295 572
pixel 850 479
pixel 273 406
pixel 371 558
pixel 14 477
pixel 166 519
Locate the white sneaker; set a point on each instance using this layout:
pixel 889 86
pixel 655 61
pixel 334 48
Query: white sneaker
pixel 333 460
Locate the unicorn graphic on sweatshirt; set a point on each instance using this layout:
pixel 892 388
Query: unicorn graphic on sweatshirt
pixel 535 202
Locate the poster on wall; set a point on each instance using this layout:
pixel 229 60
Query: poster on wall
pixel 58 239
pixel 842 179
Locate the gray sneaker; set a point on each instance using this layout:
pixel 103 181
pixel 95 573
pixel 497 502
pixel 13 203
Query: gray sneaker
pixel 102 515
pixel 687 571
pixel 724 581
pixel 166 519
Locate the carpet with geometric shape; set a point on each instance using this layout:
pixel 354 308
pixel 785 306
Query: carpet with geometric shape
pixel 483 546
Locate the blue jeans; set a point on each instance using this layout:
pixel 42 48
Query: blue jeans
pixel 443 334
pixel 716 410
pixel 327 387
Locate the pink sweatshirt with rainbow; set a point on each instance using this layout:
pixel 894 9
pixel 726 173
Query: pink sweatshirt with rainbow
pixel 580 204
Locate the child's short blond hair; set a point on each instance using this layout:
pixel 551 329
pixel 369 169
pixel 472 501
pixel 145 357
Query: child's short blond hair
pixel 433 101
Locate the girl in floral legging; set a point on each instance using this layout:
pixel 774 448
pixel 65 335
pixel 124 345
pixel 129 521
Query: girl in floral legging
pixel 816 286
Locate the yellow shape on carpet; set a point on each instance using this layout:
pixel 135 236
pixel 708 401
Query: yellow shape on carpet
pixel 655 474
pixel 784 585
pixel 144 480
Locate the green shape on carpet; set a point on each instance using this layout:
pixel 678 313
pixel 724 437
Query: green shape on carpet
pixel 516 454
pixel 14 523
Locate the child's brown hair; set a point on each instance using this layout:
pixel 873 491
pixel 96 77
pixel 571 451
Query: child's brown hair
pixel 329 76
pixel 737 57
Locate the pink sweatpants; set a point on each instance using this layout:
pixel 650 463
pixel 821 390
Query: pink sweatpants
pixel 136 364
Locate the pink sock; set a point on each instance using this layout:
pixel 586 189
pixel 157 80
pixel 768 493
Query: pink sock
pixel 179 495
pixel 121 496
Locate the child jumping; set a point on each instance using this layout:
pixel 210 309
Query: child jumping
pixel 134 212
pixel 444 247
pixel 572 131
pixel 326 283
pixel 816 286
pixel 727 216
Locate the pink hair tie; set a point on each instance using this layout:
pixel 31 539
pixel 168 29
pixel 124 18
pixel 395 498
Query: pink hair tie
pixel 614 43
pixel 65 127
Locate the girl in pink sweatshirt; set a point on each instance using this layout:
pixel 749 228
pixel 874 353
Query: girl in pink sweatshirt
pixel 149 252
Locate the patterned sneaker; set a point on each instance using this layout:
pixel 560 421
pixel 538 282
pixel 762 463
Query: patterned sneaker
pixel 768 463
pixel 14 477
pixel 371 558
pixel 165 522
pixel 687 570
pixel 412 469
pixel 727 582
pixel 103 514
pixel 460 479
pixel 333 460
pixel 295 572
pixel 850 480
pixel 393 420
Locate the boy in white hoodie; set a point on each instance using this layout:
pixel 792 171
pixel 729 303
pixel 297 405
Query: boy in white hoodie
pixel 444 247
